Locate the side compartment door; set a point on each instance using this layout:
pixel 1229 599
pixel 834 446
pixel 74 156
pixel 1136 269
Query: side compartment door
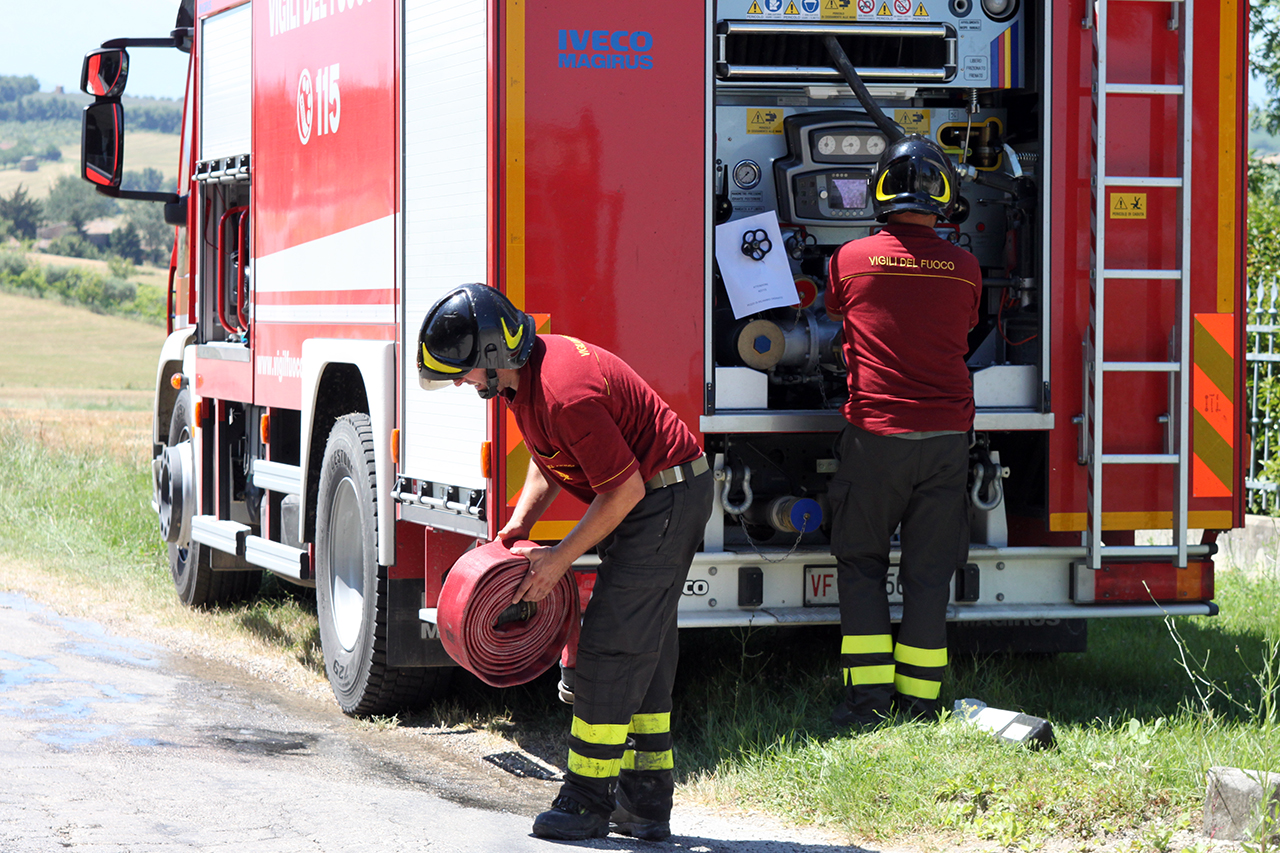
pixel 445 228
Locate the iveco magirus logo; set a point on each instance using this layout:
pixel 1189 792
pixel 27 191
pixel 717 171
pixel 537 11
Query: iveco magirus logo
pixel 622 49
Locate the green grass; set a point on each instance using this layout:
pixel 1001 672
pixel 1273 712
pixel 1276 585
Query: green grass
pixel 78 532
pixel 1139 718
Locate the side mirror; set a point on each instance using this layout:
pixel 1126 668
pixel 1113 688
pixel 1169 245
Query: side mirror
pixel 102 143
pixel 105 72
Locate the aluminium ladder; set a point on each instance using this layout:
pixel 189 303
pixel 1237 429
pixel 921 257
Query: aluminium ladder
pixel 1102 276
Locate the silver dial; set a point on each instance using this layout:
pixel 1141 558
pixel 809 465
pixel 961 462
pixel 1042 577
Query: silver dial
pixel 851 145
pixel 827 145
pixel 875 144
pixel 746 174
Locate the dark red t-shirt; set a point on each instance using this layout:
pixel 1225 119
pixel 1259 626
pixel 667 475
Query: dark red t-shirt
pixel 909 299
pixel 590 421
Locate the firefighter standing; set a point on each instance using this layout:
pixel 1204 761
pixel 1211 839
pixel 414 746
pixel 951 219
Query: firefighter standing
pixel 595 429
pixel 907 300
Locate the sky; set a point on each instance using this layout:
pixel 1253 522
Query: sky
pixel 49 38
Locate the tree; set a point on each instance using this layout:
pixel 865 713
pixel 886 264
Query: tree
pixel 126 243
pixel 148 180
pixel 24 212
pixel 74 201
pixel 156 234
pixel 13 88
pixel 1264 59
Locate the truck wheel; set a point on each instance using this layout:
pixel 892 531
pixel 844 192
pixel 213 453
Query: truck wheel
pixel 197 584
pixel 351 587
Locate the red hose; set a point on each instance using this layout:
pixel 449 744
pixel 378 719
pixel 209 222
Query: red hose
pixel 476 591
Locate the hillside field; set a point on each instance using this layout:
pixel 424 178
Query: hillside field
pixel 76 378
pixel 142 149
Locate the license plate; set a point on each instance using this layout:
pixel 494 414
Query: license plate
pixel 820 586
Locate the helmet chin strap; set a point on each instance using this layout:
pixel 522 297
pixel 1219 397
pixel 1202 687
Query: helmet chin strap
pixel 490 390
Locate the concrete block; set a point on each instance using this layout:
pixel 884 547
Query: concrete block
pixel 1242 805
pixel 1254 548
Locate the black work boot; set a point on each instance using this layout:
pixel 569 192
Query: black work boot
pixel 624 822
pixel 569 820
pixel 846 717
pixel 914 710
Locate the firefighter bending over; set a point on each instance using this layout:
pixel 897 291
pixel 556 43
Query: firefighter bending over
pixel 595 429
pixel 907 300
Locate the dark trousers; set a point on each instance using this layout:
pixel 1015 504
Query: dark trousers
pixel 627 653
pixel 883 482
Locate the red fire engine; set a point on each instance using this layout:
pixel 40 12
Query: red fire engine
pixel 344 163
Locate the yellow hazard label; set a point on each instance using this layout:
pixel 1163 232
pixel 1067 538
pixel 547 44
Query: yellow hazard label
pixel 913 121
pixel 764 121
pixel 755 9
pixel 839 10
pixel 791 9
pixel 883 11
pixel 1128 206
pixel 921 11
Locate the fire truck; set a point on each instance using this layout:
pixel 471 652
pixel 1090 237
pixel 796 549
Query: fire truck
pixel 344 163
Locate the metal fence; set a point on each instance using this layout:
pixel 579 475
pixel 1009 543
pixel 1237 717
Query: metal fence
pixel 1262 301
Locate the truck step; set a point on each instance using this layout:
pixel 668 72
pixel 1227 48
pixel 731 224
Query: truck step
pixel 277 477
pixel 278 558
pixel 226 536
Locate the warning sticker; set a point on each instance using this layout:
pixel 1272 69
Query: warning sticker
pixel 845 10
pixel 921 11
pixel 809 10
pixel 913 121
pixel 764 121
pixel 1128 206
pixel 883 11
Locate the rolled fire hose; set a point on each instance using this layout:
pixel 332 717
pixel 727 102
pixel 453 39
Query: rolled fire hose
pixel 500 643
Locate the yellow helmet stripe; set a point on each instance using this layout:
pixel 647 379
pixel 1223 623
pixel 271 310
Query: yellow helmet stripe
pixel 880 194
pixel 431 363
pixel 513 341
pixel 946 192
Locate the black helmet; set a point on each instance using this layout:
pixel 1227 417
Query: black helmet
pixel 915 175
pixel 469 327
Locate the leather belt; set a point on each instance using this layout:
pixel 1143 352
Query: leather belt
pixel 678 474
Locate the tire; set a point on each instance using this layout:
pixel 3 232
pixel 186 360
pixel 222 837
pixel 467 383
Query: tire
pixel 196 583
pixel 351 587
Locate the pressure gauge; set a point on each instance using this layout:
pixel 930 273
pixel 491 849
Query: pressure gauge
pixel 746 174
pixel 851 144
pixel 827 145
pixel 875 144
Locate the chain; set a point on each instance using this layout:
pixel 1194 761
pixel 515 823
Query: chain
pixel 784 557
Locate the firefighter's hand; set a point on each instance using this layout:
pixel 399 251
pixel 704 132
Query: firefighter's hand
pixel 514 531
pixel 546 567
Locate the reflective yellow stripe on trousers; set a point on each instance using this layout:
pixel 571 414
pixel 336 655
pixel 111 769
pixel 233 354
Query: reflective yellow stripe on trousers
pixel 635 760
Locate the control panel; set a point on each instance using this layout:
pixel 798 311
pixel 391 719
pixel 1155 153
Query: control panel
pixel 825 177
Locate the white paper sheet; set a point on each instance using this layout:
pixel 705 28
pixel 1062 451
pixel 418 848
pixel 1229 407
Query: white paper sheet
pixel 754 285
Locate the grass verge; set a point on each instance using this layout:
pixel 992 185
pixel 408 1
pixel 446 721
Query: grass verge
pixel 1139 718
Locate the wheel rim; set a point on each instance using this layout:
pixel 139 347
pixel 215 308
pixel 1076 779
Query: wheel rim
pixel 346 564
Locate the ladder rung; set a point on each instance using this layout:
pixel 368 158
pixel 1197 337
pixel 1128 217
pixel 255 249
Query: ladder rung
pixel 1169 274
pixel 1139 459
pixel 1121 181
pixel 1142 366
pixel 1143 89
pixel 1121 551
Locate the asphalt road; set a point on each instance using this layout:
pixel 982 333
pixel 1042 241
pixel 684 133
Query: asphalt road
pixel 108 744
